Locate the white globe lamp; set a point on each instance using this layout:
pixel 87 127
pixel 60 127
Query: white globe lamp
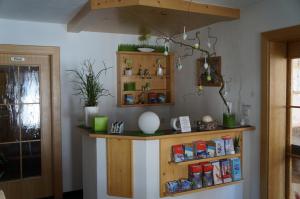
pixel 149 122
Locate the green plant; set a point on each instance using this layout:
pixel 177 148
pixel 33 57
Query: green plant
pixel 88 82
pixel 134 47
pixel 236 141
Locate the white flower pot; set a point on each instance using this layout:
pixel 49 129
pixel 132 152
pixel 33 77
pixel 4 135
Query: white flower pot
pixel 90 113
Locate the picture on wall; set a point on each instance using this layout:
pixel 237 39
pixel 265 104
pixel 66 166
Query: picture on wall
pixel 209 77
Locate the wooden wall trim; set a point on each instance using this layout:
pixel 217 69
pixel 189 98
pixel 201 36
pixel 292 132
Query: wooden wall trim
pixel 264 141
pixel 54 53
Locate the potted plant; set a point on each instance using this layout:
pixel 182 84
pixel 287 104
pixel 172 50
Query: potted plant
pixel 128 68
pixel 236 143
pixel 89 86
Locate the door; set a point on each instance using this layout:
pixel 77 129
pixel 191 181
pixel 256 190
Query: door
pixel 293 130
pixel 25 126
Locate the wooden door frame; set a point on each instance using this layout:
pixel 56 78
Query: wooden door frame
pixel 281 35
pixel 54 54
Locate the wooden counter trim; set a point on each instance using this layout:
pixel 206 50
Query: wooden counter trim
pixel 119 168
pixel 179 135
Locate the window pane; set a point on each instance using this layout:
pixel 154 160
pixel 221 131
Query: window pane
pixel 29 83
pixel 9 125
pixel 9 162
pixel 31 157
pixel 295 177
pixel 30 121
pixel 295 126
pixel 9 91
pixel 295 82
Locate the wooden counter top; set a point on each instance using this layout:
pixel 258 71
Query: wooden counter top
pixel 138 135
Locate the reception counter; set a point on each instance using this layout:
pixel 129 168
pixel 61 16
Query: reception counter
pixel 134 165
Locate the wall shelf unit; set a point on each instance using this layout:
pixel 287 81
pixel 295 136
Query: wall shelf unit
pixel 147 88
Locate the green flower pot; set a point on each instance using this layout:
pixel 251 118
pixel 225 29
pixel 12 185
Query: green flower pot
pixel 100 123
pixel 229 120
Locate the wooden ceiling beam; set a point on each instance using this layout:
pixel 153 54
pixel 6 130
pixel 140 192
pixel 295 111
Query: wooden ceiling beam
pixel 129 16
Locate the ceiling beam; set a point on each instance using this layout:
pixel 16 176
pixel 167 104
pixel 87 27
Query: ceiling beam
pixel 129 16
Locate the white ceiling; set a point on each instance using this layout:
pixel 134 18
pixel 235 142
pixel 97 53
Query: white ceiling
pixel 61 11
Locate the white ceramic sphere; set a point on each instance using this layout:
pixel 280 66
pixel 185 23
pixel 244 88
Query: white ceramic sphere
pixel 149 122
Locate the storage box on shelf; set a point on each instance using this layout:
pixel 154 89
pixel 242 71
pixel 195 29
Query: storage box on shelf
pixel 145 79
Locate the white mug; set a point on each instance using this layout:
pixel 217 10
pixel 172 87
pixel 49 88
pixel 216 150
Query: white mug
pixel 174 122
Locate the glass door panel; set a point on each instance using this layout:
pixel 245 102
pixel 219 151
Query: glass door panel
pixel 295 92
pixel 294 110
pixel 20 146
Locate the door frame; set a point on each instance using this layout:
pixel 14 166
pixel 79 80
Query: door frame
pixel 281 35
pixel 54 54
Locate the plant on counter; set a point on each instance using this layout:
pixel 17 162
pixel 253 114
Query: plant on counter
pixel 89 86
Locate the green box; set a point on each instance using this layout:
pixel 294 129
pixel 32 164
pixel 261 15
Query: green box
pixel 100 123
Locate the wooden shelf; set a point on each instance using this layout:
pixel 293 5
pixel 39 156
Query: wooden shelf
pixel 203 189
pixel 130 16
pixel 159 85
pixel 206 159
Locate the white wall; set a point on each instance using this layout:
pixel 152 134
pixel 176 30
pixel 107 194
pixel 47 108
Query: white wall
pixel 239 46
pixel 74 49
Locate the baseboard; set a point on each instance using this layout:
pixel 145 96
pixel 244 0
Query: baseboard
pixel 73 193
pixel 77 194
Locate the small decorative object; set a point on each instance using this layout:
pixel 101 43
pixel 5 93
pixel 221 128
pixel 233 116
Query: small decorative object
pixel 236 169
pixel 185 125
pixel 152 98
pixel 149 122
pixel 100 123
pixel 207 119
pixel 129 99
pixel 135 48
pixel 236 142
pixel 188 151
pixel 207 175
pixel 117 127
pixel 220 147
pixel 159 70
pixel 173 186
pixel 209 70
pixel 146 87
pixel 185 185
pixel 195 175
pixel 147 74
pixel 207 123
pixel 128 68
pixel 217 173
pixel 88 84
pixel 142 99
pixel 200 149
pixel 179 65
pixel 161 98
pixel 229 147
pixel 245 115
pixel 226 171
pixel 128 71
pixel 129 86
pixel 178 153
